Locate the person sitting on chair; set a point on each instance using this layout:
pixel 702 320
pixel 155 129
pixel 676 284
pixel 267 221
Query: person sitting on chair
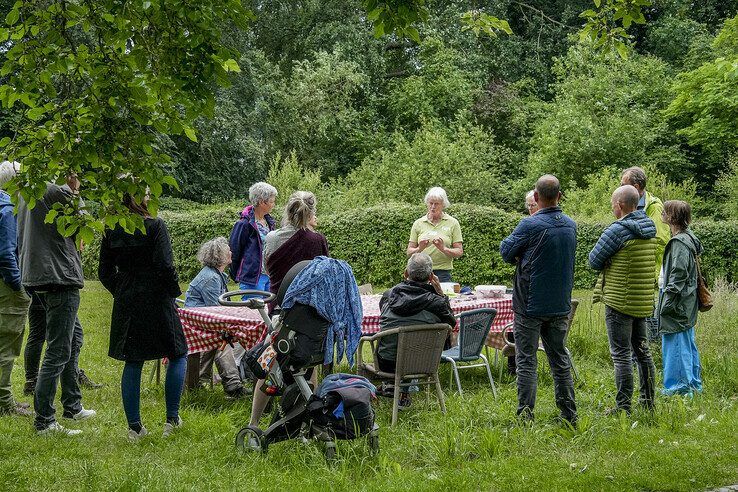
pixel 416 300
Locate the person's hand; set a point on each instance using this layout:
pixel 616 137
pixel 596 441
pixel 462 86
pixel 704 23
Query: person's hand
pixel 438 243
pixel 436 284
pixel 423 244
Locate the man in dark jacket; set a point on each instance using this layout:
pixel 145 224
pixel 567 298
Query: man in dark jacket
pixel 416 300
pixel 14 301
pixel 542 247
pixel 51 267
pixel 626 255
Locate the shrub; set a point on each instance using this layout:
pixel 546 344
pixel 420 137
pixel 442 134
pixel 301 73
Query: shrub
pixel 373 240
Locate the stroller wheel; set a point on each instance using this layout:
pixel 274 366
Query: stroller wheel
pixel 251 439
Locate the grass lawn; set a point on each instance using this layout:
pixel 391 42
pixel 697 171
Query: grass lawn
pixel 688 444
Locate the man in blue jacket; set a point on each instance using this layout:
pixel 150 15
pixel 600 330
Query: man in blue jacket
pixel 542 247
pixel 14 300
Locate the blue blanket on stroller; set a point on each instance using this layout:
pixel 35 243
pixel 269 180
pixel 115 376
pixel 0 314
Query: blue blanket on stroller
pixel 329 286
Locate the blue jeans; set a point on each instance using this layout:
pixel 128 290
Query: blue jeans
pixel 130 386
pixel 261 284
pixel 60 308
pixel 443 275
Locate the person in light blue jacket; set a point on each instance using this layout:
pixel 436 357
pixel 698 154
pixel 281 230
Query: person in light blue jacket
pixel 204 290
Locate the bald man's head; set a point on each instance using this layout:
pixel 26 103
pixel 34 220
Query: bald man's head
pixel 547 191
pixel 624 200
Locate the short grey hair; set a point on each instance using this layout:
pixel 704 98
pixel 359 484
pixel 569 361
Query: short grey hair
pixel 437 193
pixel 635 176
pixel 261 192
pixel 8 170
pixel 530 194
pixel 419 267
pixel 214 253
pixel 300 208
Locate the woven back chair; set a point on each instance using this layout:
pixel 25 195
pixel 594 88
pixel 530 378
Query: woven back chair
pixel 474 328
pixel 419 349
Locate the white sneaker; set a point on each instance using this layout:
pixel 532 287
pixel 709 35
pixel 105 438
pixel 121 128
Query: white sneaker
pixel 135 436
pixel 83 414
pixel 56 428
pixel 169 428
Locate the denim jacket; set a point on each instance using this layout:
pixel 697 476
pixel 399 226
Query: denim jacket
pixel 206 287
pixel 8 244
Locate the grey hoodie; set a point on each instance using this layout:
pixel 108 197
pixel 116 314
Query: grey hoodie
pixel 47 259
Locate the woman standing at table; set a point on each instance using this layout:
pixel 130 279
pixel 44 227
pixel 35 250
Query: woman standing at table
pixel 437 234
pixel 294 242
pixel 138 270
pixel 678 304
pixel 248 236
pixel 204 290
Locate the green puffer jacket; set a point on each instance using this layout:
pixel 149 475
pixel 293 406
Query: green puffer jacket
pixel 653 209
pixel 626 285
pixel 678 301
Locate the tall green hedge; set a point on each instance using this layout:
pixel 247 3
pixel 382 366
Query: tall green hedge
pixel 373 242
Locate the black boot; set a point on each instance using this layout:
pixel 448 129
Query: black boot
pixel 85 382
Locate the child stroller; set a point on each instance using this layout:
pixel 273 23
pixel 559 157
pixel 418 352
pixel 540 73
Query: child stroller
pixel 285 359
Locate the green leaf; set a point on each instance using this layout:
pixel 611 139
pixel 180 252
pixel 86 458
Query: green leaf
pixel 413 34
pixel 36 113
pixel 231 65
pixel 622 49
pixel 4 142
pixel 51 216
pixel 374 14
pixel 190 132
pixel 12 17
pixel 597 3
pixel 378 30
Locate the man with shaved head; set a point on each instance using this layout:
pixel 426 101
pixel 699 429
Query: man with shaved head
pixel 542 249
pixel 625 256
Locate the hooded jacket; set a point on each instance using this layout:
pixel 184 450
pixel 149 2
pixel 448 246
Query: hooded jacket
pixel 410 303
pixel 8 244
pixel 678 303
pixel 653 207
pixel 626 255
pixel 246 247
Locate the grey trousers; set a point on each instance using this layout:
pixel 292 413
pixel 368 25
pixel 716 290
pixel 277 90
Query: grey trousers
pixel 552 331
pixel 225 361
pixel 627 335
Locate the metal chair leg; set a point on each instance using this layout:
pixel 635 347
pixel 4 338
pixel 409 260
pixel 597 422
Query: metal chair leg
pixel 455 371
pixel 489 373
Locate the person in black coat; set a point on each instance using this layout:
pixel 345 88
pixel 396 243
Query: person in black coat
pixel 138 269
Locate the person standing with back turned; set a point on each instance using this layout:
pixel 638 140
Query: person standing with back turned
pixel 542 249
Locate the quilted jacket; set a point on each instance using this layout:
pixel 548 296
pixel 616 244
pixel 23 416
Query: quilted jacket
pixel 626 255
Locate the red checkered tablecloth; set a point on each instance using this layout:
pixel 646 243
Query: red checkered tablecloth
pixel 204 327
pixel 370 324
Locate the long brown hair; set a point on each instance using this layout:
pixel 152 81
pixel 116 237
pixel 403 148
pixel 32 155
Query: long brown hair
pixel 135 207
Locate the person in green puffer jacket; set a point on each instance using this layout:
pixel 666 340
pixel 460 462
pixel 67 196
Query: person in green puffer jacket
pixel 636 177
pixel 678 304
pixel 625 254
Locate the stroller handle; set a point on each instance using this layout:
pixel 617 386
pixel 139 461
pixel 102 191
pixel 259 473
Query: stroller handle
pixel 252 303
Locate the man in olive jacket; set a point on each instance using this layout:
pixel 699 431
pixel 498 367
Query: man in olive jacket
pixel 626 255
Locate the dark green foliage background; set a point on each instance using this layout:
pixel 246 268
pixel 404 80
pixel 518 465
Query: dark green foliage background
pixel 373 242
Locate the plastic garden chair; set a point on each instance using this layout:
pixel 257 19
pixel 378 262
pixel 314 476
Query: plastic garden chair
pixel 474 327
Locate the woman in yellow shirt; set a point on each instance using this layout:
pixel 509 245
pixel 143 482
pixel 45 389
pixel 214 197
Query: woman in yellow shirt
pixel 438 234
